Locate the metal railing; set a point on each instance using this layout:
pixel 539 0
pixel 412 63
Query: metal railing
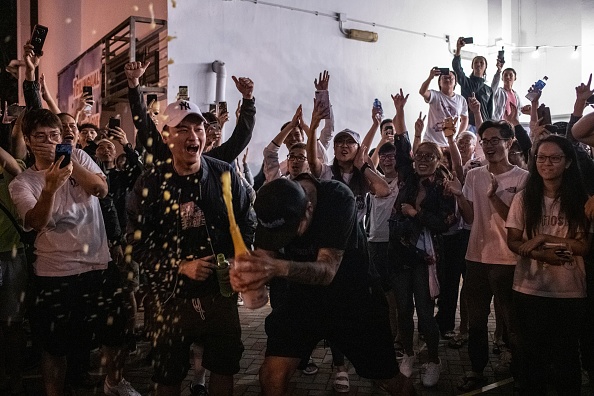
pixel 123 45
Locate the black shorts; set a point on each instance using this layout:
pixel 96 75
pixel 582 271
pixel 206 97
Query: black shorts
pixel 67 304
pixel 211 321
pixel 356 323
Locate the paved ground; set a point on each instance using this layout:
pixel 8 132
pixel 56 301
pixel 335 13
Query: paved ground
pixel 454 363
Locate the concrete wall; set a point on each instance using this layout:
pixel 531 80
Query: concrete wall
pixel 283 50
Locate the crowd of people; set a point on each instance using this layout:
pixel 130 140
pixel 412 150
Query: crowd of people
pixel 349 246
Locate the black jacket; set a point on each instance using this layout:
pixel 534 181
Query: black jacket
pixel 482 92
pixel 227 151
pixel 154 227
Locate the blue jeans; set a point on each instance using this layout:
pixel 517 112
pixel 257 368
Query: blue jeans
pixel 409 283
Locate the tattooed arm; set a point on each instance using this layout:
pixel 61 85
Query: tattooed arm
pixel 252 271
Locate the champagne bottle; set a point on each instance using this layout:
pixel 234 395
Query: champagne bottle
pixel 252 299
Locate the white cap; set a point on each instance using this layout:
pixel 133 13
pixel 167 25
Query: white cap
pixel 179 110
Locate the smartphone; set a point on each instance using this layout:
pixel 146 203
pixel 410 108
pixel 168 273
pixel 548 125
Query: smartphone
pixel 468 40
pixel 222 108
pixel 14 110
pixel 38 38
pixel 590 100
pixel 444 71
pixel 183 92
pixel 114 122
pixel 501 55
pixel 63 149
pixel 324 98
pixel 545 113
pixel 88 91
pixel 212 108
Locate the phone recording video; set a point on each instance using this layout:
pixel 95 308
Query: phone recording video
pixel 114 123
pixel 222 108
pixel 468 40
pixel 63 149
pixel 38 38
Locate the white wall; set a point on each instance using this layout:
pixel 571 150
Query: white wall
pixel 283 51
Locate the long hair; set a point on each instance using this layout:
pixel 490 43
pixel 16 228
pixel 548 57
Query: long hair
pixel 571 194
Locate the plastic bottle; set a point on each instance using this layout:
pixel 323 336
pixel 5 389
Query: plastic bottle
pixel 536 88
pixel 378 105
pixel 223 276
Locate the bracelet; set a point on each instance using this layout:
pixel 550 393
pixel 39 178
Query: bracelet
pixel 363 167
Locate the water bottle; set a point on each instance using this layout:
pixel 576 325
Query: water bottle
pixel 378 105
pixel 536 88
pixel 223 276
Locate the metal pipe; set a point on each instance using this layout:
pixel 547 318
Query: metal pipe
pixel 221 71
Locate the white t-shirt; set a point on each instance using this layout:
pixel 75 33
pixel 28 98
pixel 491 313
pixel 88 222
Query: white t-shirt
pixel 381 209
pixel 488 235
pixel 440 107
pixel 74 241
pixel 538 278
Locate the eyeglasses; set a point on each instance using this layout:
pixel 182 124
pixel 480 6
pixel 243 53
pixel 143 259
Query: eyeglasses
pixel 345 143
pixel 425 157
pixel 388 155
pixel 42 137
pixel 515 153
pixel 492 142
pixel 298 158
pixel 555 159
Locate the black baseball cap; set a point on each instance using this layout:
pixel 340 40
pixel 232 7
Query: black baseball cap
pixel 280 206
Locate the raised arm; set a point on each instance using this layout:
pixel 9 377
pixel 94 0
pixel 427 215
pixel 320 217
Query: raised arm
pixel 242 134
pixel 457 64
pixel 475 106
pixel 496 76
pixel 424 90
pixel 583 130
pixel 30 86
pixel 47 96
pixel 10 165
pixel 271 160
pixel 328 131
pixel 419 128
pixel 376 118
pixel 315 164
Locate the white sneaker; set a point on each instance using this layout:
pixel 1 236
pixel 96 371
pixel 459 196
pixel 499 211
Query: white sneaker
pixel 124 388
pixel 431 375
pixel 406 365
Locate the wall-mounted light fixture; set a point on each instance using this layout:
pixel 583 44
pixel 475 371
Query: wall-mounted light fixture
pixel 356 34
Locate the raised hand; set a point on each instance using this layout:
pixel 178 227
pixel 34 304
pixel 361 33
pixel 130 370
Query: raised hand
pixel 245 155
pixel 31 59
pixel 434 72
pixel 361 157
pixel 584 91
pixel 499 65
pixel 420 124
pixel 459 44
pixel 238 110
pixel 317 115
pixel 537 94
pixel 473 104
pixel 526 109
pixel 245 86
pixel 449 126
pixel 222 119
pixel 376 115
pixel 118 135
pixel 512 117
pixel 399 100
pixel 322 83
pixel 135 70
pixel 55 177
pixel 453 186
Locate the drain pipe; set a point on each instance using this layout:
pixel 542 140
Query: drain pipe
pixel 221 71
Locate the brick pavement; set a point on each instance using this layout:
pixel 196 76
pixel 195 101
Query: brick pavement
pixel 454 363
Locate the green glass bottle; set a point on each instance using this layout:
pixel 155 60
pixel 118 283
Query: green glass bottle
pixel 223 276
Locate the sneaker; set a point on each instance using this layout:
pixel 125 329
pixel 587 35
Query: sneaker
pixel 505 358
pixel 406 365
pixel 198 390
pixel 124 388
pixel 431 375
pixel 239 300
